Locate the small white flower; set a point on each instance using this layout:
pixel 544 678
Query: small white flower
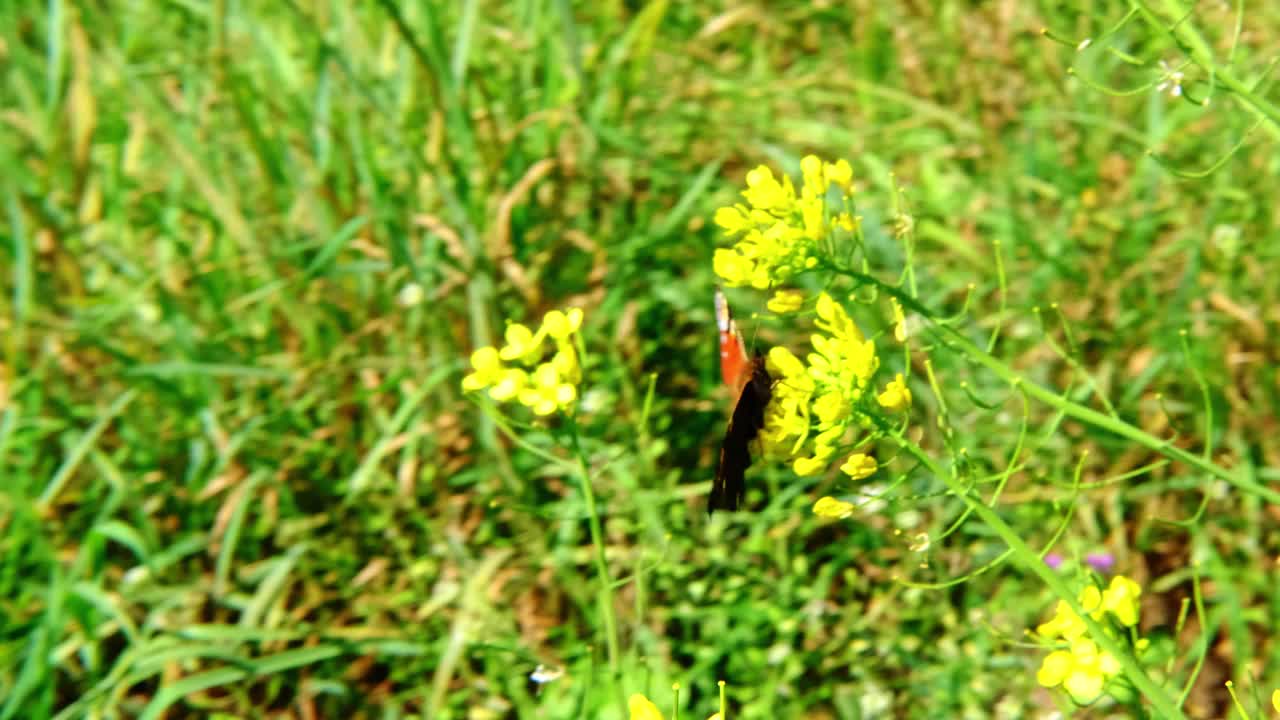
pixel 1084 44
pixel 543 674
pixel 410 295
pixel 1170 79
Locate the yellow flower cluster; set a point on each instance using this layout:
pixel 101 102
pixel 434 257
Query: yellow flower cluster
pixel 521 371
pixel 1082 669
pixel 817 401
pixel 779 233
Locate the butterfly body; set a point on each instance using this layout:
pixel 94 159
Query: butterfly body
pixel 750 378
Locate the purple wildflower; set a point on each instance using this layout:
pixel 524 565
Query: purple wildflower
pixel 1100 561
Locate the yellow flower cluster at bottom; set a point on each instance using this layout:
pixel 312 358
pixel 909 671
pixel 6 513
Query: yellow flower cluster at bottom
pixel 1082 669
pixel 521 371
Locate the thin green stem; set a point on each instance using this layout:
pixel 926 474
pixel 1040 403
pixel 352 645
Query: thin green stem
pixel 1200 52
pixel 602 565
pixel 1030 560
pixel 1100 420
pixel 957 341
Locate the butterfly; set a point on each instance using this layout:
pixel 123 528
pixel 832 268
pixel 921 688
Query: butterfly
pixel 749 378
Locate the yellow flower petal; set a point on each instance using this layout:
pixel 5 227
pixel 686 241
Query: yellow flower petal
pixel 782 363
pixel 732 219
pixel 829 507
pixel 1122 600
pixel 859 466
pixel 732 267
pixel 806 466
pixel 1055 668
pixel 522 343
pixel 488 369
pixel 511 383
pixel 785 301
pixel 840 173
pixel 896 395
pixel 1084 686
pixel 642 709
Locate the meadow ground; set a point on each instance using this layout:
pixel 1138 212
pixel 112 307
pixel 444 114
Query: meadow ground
pixel 249 247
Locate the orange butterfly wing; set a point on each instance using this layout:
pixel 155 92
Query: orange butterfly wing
pixel 754 388
pixel 735 364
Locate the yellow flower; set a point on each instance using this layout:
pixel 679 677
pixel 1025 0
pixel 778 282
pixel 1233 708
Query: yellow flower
pixel 642 709
pixel 1275 700
pixel 565 361
pixel 1056 666
pixel 839 173
pixel 783 364
pixel 732 219
pixel 560 325
pixel 766 193
pixel 512 382
pixel 1090 599
pixel 1121 600
pixel 785 301
pixel 829 507
pixel 522 343
pixel 811 171
pixel 487 368
pixel 548 392
pixel 833 319
pixel 1082 671
pixel 733 267
pixel 1065 624
pixel 859 466
pixel 831 408
pixel 896 395
pixel 813 214
pixel 806 466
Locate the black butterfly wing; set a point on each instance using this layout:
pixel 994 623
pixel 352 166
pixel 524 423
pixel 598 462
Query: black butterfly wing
pixel 729 486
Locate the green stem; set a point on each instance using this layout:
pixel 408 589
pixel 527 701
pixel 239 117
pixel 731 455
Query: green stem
pixel 602 566
pixel 1202 55
pixel 957 340
pixel 1097 419
pixel 1031 561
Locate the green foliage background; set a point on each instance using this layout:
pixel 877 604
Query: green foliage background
pixel 238 475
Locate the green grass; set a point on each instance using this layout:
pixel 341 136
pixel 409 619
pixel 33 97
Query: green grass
pixel 238 476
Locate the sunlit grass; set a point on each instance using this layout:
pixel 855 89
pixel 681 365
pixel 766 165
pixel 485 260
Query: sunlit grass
pixel 250 247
